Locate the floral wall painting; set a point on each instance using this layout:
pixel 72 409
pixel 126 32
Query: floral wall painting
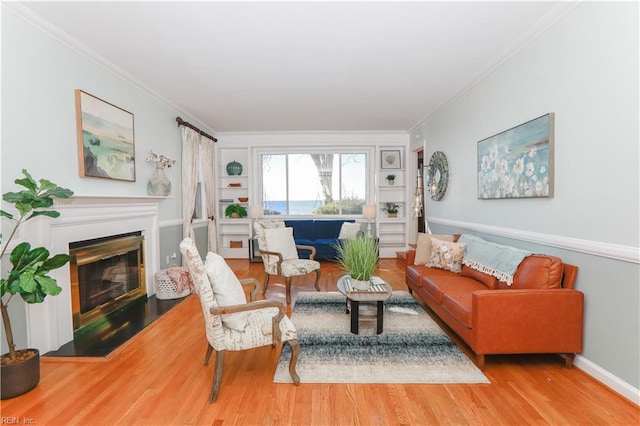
pixel 518 163
pixel 390 159
pixel 105 139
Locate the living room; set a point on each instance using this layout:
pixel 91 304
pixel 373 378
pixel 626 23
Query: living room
pixel 583 67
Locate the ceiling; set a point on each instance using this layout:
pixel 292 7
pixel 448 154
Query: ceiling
pixel 301 66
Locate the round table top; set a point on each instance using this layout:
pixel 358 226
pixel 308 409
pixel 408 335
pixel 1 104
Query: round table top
pixel 364 295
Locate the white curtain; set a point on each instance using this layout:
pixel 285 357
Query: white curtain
pixel 190 148
pixel 208 167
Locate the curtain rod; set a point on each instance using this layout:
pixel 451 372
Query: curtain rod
pixel 181 122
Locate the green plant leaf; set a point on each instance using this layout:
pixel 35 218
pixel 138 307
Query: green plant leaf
pixel 27 282
pixel 58 192
pixel 55 262
pixel 27 181
pixel 36 296
pixel 50 213
pixel 6 214
pixel 48 285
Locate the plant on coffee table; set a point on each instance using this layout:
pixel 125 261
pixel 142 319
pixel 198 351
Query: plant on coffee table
pixel 358 257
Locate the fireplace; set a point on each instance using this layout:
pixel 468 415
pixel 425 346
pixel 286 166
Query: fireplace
pixel 49 324
pixel 106 275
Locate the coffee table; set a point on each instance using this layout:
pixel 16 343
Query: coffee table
pixel 378 294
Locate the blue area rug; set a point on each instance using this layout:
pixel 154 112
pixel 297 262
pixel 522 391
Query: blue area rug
pixel 411 349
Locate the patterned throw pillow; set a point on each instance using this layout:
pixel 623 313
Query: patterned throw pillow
pixel 423 247
pixel 446 255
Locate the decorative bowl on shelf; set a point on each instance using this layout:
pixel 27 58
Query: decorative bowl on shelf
pixel 235 185
pixel 243 199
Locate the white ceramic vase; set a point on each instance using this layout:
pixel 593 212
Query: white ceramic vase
pixel 360 285
pixel 159 184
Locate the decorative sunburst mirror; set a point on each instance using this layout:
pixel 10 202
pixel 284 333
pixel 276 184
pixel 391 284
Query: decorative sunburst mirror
pixel 438 175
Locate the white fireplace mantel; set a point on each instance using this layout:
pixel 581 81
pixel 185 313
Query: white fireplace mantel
pixel 50 324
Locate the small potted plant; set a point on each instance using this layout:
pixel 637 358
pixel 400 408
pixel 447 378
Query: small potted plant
pixel 391 179
pixel 391 208
pixel 359 258
pixel 28 278
pixel 235 211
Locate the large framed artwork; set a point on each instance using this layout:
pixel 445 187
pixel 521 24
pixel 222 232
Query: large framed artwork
pixel 106 147
pixel 518 163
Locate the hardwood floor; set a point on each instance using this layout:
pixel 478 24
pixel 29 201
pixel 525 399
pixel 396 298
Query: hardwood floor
pixel 158 378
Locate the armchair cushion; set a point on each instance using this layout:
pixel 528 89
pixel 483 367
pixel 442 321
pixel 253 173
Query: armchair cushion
pixel 227 290
pixel 259 332
pixel 280 240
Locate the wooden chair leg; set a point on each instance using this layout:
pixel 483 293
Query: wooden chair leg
pixel 317 278
pixel 287 283
pixel 207 357
pixel 295 352
pixel 217 376
pixel 266 283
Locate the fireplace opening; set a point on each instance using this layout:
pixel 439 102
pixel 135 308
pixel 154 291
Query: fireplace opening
pixel 107 274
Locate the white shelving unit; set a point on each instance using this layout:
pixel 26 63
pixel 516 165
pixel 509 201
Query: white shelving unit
pixel 392 231
pixel 233 189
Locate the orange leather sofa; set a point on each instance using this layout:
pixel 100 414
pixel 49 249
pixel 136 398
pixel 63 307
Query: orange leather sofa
pixel 540 312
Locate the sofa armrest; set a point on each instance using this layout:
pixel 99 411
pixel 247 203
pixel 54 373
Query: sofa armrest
pixel 527 321
pixel 411 257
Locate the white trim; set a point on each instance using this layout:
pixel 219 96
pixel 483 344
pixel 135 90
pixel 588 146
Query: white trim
pixel 606 378
pixel 169 223
pixel 596 248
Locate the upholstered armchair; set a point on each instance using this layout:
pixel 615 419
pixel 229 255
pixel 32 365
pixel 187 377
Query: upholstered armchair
pixel 230 322
pixel 280 255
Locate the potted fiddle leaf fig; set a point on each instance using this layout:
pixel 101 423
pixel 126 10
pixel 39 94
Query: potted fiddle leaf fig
pixel 359 258
pixel 28 277
pixel 391 179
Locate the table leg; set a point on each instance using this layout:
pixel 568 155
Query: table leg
pixel 379 317
pixel 355 309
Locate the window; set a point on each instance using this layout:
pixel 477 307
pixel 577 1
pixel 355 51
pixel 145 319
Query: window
pixel 314 184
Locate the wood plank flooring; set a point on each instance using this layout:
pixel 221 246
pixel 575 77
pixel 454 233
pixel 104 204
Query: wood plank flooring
pixel 158 378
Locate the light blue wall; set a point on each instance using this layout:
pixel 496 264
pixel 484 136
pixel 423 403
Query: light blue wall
pixel 39 76
pixel 585 69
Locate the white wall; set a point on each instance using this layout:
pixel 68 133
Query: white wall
pixel 585 69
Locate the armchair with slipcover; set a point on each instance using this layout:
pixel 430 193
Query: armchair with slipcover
pixel 230 322
pixel 280 254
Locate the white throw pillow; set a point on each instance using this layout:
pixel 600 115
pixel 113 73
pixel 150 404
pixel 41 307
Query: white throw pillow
pixel 280 240
pixel 349 231
pixel 423 247
pixel 227 290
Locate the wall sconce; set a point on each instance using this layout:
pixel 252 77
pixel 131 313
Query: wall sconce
pixel 369 213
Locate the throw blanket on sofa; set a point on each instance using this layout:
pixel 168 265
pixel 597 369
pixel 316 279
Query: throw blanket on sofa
pixel 494 259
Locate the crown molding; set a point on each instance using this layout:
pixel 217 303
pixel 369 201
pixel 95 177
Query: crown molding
pixel 74 44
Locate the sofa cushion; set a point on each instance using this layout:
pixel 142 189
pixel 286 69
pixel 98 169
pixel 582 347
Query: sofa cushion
pixel 328 228
pixel 489 280
pixel 439 284
pixel 459 305
pixel 349 231
pixel 302 229
pixel 446 255
pixel 416 272
pixel 537 272
pixel 423 247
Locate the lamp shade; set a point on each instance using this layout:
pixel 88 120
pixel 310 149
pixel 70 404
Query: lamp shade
pixel 256 211
pixel 369 211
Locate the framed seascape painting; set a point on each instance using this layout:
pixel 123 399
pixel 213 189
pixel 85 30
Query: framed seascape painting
pixel 106 146
pixel 390 159
pixel 518 163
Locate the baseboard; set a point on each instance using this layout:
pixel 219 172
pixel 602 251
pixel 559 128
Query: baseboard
pixel 606 378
